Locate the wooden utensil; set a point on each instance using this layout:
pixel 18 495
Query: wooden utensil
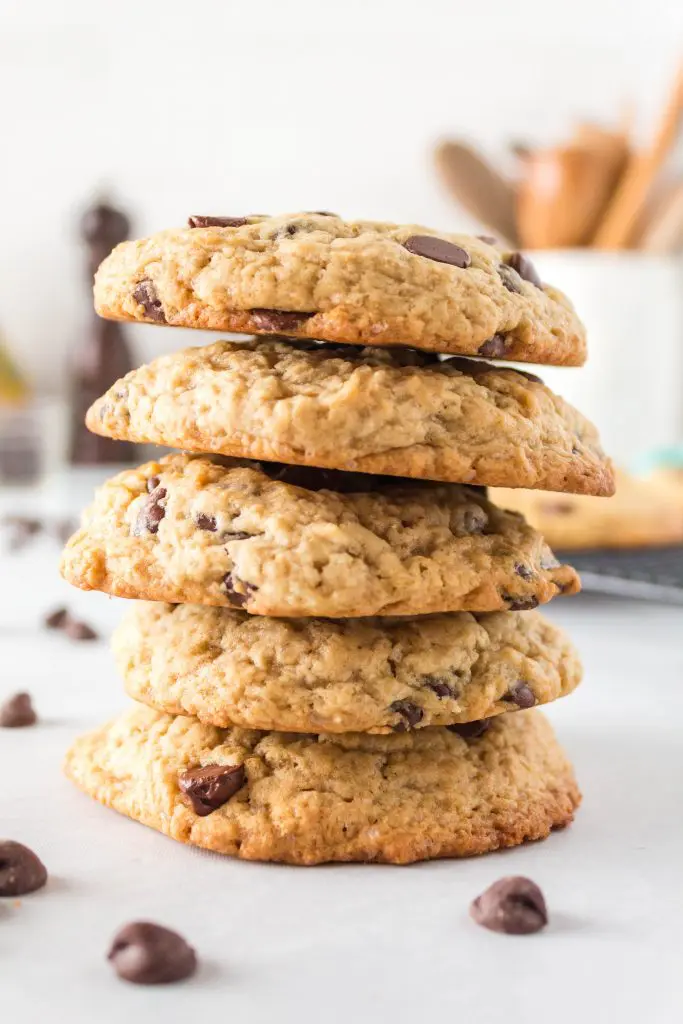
pixel 478 187
pixel 664 233
pixel 619 221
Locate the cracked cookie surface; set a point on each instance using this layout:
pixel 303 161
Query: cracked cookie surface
pixel 355 675
pixel 398 412
pixel 199 530
pixel 317 276
pixel 306 799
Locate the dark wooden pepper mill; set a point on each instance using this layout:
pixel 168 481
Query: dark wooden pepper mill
pixel 103 354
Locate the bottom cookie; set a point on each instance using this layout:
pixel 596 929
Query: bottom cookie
pixel 304 799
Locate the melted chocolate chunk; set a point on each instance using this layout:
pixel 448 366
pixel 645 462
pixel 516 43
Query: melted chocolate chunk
pixel 521 604
pixel 525 268
pixel 216 222
pixel 409 712
pixel 437 249
pixel 146 295
pixel 209 788
pixel 151 513
pixel 510 279
pixel 471 730
pixel 278 320
pixel 206 522
pixel 236 597
pixel 494 348
pixel 521 695
pixel 524 571
pixel 439 687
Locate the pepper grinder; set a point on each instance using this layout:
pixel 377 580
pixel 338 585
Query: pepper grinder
pixel 103 354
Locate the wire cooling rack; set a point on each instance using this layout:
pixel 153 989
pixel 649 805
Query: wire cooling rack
pixel 654 574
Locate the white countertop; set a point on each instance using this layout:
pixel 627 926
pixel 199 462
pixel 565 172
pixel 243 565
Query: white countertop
pixel 341 943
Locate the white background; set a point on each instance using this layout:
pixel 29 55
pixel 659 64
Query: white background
pixel 232 106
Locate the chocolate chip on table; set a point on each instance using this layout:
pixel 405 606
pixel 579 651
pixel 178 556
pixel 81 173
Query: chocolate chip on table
pixel 439 687
pixel 494 348
pixel 76 629
pixel 510 278
pixel 437 249
pixel 151 513
pixel 205 522
pixel 216 222
pixel 525 268
pixel 521 695
pixel 17 712
pixel 471 730
pixel 148 954
pixel 21 871
pixel 236 597
pixel 146 295
pixel 513 905
pixel 56 619
pixel 280 320
pixel 209 788
pixel 410 713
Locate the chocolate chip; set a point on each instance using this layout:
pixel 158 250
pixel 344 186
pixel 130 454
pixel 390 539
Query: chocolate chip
pixel 524 571
pixel 236 597
pixel 510 279
pixel 525 268
pixel 474 520
pixel 440 688
pixel 17 712
pixel 471 730
pixel 206 522
pixel 521 695
pixel 520 604
pixel 146 295
pixel 494 348
pixel 489 239
pixel 56 619
pixel 318 479
pixel 279 320
pixel 152 483
pixel 227 535
pixel 148 954
pixel 409 712
pixel 21 871
pixel 513 905
pixel 151 513
pixel 437 249
pixel 216 222
pixel 209 788
pixel 75 629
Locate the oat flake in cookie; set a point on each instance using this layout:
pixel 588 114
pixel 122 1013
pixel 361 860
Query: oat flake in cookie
pixel 352 797
pixel 391 411
pixel 314 275
pixel 403 547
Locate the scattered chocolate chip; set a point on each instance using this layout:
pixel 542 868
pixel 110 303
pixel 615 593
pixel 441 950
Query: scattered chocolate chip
pixel 471 730
pixel 510 279
pixel 146 295
pixel 494 348
pixel 279 320
pixel 440 688
pixel 148 954
pixel 474 520
pixel 524 571
pixel 489 239
pixel 152 483
pixel 437 249
pixel 151 513
pixel 21 871
pixel 525 268
pixel 520 604
pixel 206 522
pixel 513 905
pixel 521 695
pixel 209 788
pixel 216 222
pixel 56 619
pixel 236 597
pixel 75 629
pixel 17 712
pixel 409 712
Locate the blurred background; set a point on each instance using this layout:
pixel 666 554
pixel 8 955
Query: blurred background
pixel 523 119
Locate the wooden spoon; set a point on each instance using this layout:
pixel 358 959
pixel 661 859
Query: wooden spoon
pixel 478 187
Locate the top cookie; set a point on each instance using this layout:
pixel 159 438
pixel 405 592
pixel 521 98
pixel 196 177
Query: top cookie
pixel 313 275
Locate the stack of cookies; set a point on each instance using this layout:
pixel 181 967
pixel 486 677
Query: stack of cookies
pixel 334 651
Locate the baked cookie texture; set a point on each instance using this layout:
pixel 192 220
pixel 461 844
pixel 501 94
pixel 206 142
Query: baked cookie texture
pixel 352 797
pixel 388 411
pixel 643 513
pixel 356 675
pixel 195 530
pixel 317 276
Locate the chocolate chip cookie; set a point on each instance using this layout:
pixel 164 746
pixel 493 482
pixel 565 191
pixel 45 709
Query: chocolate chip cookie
pixel 398 412
pixel 355 675
pixel 197 530
pixel 314 275
pixel 307 799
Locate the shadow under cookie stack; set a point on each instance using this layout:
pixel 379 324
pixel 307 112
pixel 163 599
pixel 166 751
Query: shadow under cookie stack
pixel 334 654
